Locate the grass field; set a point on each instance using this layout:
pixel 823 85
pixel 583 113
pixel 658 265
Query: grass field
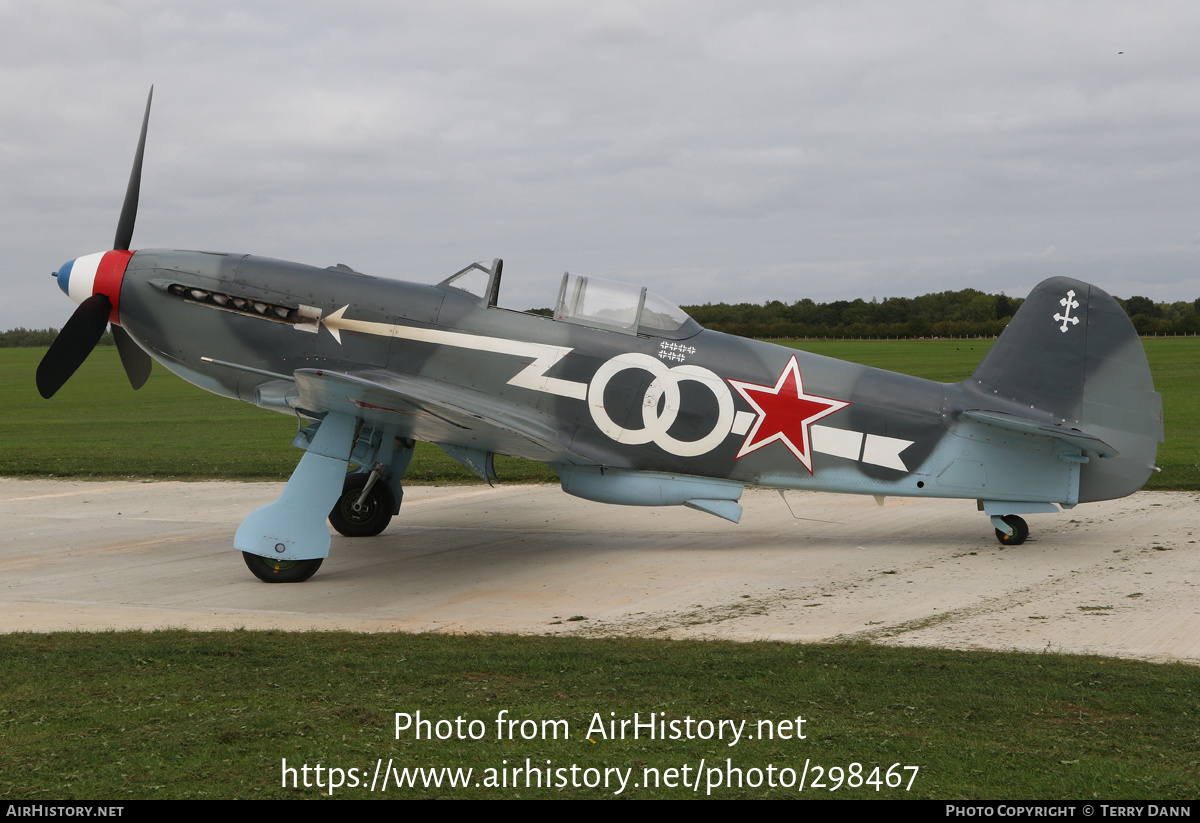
pixel 97 427
pixel 193 715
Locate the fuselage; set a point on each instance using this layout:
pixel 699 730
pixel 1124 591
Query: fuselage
pixel 692 402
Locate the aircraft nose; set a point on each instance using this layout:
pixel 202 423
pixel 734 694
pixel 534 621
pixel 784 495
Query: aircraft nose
pixel 99 273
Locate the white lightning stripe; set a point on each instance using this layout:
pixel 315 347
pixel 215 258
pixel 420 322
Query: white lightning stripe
pixel 742 421
pixel 838 442
pixel 532 376
pixel 885 451
pixel 878 451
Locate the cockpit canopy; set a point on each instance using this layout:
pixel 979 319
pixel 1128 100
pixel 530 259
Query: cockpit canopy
pixel 620 307
pixel 590 301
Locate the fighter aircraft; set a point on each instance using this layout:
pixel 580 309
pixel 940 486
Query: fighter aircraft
pixel 620 391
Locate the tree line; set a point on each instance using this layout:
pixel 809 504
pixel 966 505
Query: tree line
pixel 964 313
pixel 32 338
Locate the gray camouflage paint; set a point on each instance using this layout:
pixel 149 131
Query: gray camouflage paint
pixel 1038 384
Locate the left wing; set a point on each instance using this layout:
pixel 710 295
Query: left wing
pixel 437 412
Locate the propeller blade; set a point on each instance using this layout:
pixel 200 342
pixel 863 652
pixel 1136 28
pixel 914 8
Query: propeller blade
pixel 136 362
pixel 129 209
pixel 73 344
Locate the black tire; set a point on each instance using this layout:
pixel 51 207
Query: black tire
pixel 270 570
pixel 1020 531
pixel 376 511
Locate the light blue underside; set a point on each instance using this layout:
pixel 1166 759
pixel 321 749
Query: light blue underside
pixel 293 527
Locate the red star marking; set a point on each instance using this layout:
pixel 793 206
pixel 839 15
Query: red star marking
pixel 784 413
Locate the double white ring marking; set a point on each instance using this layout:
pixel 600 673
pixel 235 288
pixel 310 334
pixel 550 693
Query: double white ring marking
pixel 656 424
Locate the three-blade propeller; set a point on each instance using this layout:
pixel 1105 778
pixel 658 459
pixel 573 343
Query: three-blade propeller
pixel 83 330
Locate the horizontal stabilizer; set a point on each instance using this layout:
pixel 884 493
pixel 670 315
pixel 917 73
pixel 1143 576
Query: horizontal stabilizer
pixel 1026 425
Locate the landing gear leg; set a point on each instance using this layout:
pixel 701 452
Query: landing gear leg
pixel 289 536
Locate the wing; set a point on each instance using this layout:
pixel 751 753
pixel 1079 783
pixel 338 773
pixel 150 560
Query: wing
pixel 438 412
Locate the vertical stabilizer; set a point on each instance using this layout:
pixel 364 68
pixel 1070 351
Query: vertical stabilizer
pixel 1072 360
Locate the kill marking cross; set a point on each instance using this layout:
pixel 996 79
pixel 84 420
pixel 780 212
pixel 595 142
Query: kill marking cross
pixel 1069 302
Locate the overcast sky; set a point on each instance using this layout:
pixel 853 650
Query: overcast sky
pixel 713 151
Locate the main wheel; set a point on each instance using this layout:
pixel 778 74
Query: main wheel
pixel 367 520
pixel 281 571
pixel 1020 531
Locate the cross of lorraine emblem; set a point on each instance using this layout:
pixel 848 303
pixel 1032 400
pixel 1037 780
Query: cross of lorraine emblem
pixel 1069 302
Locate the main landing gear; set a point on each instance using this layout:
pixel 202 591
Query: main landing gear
pixel 365 507
pixel 1020 530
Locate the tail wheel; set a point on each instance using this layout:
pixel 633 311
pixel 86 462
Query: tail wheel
pixel 365 520
pixel 270 570
pixel 1020 531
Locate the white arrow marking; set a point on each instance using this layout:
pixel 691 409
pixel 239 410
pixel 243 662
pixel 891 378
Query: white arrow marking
pixel 533 376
